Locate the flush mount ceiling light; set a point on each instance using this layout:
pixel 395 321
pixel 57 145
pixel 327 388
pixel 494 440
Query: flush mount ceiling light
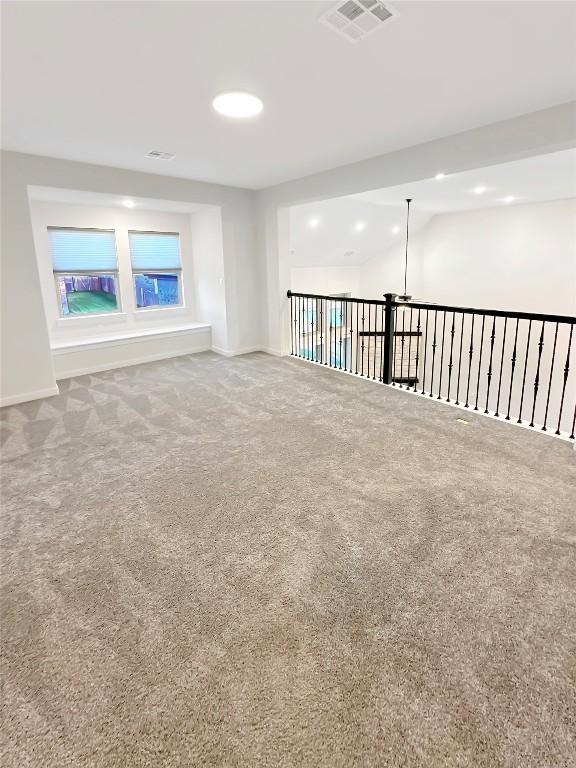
pixel 360 226
pixel 479 190
pixel 129 203
pixel 237 104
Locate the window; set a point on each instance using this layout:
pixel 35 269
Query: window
pixel 85 270
pixel 156 268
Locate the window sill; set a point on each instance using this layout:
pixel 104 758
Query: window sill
pixel 176 309
pixel 107 317
pixel 134 336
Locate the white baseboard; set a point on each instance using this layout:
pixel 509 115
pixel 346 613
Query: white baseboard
pixel 235 352
pixel 25 397
pixel 245 351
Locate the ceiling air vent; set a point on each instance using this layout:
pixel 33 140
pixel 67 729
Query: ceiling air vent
pixel 354 19
pixel 154 154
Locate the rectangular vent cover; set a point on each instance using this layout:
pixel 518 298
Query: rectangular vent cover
pixel 355 19
pixel 154 154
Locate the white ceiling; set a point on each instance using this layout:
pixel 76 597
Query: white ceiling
pixel 105 82
pixel 545 177
pixel 335 241
pixel 102 200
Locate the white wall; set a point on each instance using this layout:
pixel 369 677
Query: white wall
pixel 518 257
pixel 208 259
pixel 27 366
pixel 327 280
pixel 521 257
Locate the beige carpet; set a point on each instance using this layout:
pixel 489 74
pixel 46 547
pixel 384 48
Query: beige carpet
pixel 260 562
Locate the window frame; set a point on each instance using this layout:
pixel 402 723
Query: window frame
pixel 178 271
pixel 59 273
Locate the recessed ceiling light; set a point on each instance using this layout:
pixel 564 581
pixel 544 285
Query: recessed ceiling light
pixel 129 203
pixel 440 176
pixel 479 190
pixel 313 223
pixel 395 230
pixel 360 226
pixel 508 199
pixel 237 104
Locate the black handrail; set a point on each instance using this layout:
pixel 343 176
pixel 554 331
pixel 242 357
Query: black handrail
pixel 523 365
pixel 446 308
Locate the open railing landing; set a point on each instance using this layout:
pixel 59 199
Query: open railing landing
pixel 518 366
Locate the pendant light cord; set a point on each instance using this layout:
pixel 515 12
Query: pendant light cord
pixel 408 200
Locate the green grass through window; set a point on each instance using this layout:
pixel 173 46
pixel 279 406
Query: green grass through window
pixel 83 302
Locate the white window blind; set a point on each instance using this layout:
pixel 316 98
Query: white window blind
pixel 154 250
pixel 83 249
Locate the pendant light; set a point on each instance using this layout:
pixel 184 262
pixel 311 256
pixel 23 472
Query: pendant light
pixel 404 296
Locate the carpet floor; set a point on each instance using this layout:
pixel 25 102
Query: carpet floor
pixel 256 561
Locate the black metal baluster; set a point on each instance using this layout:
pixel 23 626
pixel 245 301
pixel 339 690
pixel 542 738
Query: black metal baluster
pixel 340 342
pixel 513 368
pixel 357 335
pixel 312 327
pixel 566 372
pixel 489 374
pixel 460 360
pixel 329 314
pixel 316 339
pixel 362 337
pixel 409 350
pixel 369 337
pixel 525 369
pixel 442 356
pixel 345 329
pixel 381 377
pixel 550 379
pixel 375 342
pixel 573 423
pixel 292 324
pixel 402 340
pixel 394 337
pixel 321 331
pixel 305 327
pixel 425 355
pixel 480 361
pixel 501 367
pixel 417 360
pixel 349 351
pixel 470 355
pixel 336 355
pixel 433 354
pixel 537 377
pixel 299 326
pixel 450 363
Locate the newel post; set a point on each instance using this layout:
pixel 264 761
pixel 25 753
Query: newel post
pixel 389 315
